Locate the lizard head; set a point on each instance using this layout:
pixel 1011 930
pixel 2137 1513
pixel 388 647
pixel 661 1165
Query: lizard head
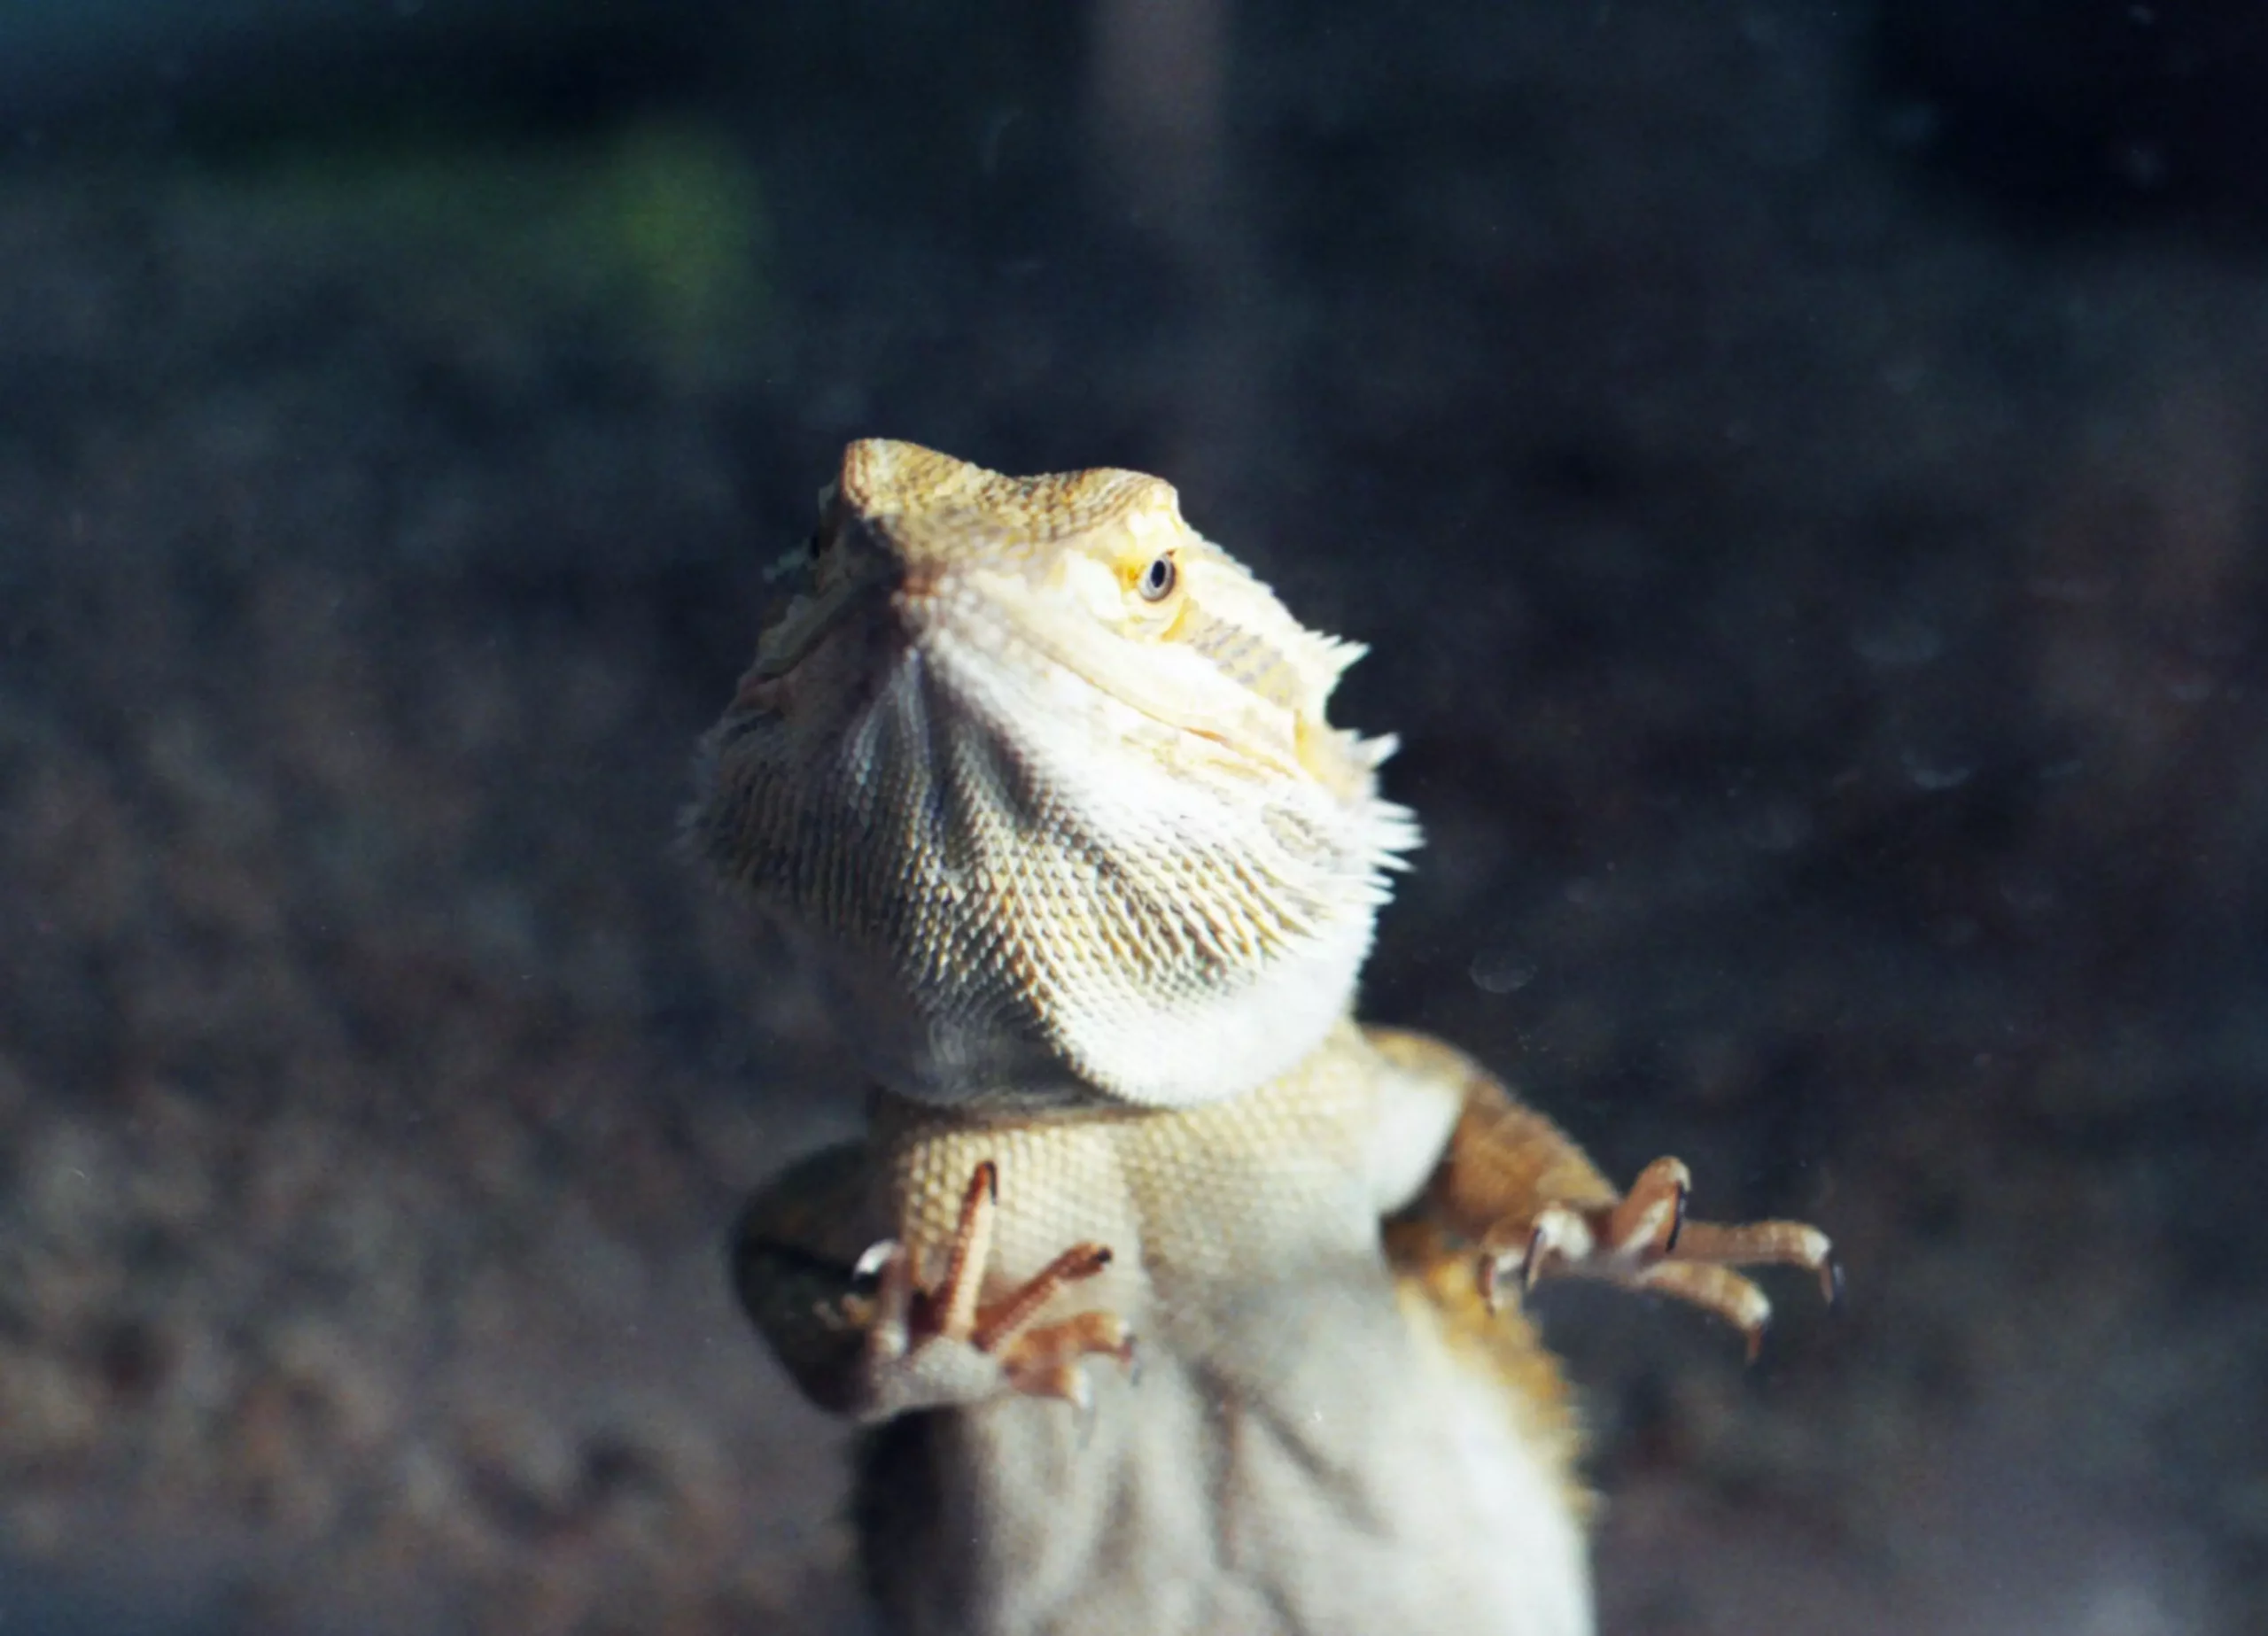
pixel 1044 780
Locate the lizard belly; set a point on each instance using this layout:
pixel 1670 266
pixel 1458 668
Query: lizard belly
pixel 1367 1480
pixel 1317 1442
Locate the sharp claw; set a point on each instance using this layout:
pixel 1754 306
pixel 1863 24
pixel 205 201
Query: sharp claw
pixel 1677 1217
pixel 1830 1281
pixel 1755 1336
pixel 890 1266
pixel 1079 1392
pixel 869 1268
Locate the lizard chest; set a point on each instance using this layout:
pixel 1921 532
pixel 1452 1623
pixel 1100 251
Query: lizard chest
pixel 1204 1209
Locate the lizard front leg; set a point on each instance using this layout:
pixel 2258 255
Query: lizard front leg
pixel 871 1335
pixel 1517 1187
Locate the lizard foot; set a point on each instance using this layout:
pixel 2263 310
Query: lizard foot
pixel 943 1344
pixel 1644 1240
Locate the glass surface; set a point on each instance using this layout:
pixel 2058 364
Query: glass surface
pixel 1798 470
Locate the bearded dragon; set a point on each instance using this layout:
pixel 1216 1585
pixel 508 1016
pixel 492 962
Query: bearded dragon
pixel 1168 1292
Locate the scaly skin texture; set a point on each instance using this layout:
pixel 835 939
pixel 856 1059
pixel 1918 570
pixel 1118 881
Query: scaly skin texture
pixel 1043 781
pixel 1047 835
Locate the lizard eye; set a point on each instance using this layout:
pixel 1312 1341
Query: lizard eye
pixel 1158 580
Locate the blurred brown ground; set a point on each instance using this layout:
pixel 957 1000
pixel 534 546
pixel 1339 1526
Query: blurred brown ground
pixel 1823 610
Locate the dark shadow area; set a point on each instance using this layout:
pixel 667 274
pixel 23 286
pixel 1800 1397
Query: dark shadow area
pixel 1799 475
pixel 2078 116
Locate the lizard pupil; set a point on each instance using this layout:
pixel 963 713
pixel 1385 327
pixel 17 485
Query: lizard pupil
pixel 1157 581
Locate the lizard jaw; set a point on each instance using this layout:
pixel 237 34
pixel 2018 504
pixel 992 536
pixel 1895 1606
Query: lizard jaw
pixel 1013 916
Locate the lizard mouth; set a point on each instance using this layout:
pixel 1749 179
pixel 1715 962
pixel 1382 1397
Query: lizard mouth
pixel 836 586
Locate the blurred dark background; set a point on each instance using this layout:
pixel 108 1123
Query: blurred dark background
pixel 1799 468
